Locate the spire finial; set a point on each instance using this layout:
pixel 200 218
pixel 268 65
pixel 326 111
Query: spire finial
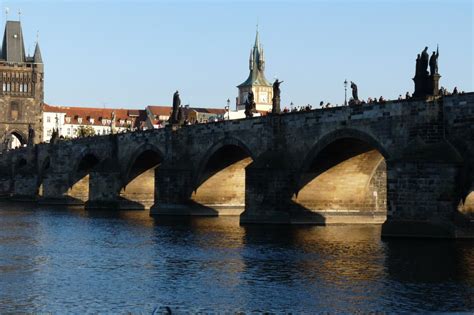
pixel 19 15
pixel 6 13
pixel 37 36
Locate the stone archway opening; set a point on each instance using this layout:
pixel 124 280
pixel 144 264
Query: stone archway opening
pixel 220 183
pixel 79 181
pixel 345 182
pixel 16 140
pixel 138 191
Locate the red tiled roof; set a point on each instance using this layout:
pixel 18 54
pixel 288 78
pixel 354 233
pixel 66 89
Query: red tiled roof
pixel 134 115
pixel 160 110
pixel 216 111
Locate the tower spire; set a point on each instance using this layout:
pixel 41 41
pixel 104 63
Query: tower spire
pixel 37 55
pixel 257 40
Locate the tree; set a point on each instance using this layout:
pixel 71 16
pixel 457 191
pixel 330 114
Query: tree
pixel 85 131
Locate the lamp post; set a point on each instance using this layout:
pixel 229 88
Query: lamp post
pixel 227 108
pixel 345 92
pixel 291 106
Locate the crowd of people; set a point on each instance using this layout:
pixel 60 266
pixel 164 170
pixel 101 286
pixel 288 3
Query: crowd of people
pixel 371 100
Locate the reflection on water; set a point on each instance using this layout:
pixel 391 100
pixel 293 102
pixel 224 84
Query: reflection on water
pixel 71 260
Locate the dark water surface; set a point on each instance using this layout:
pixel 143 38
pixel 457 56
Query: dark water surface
pixel 64 260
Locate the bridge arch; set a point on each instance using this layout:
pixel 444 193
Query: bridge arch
pixel 85 162
pixel 344 178
pixel 45 165
pixel 332 136
pixel 465 180
pixel 137 190
pixel 219 179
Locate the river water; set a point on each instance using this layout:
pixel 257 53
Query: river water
pixel 70 260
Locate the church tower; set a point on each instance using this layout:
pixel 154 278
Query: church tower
pixel 21 89
pixel 256 81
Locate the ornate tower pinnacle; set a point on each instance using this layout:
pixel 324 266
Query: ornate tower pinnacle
pixel 256 81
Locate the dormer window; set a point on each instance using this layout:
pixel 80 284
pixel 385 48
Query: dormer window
pixel 68 120
pixel 122 122
pixel 91 120
pixel 79 120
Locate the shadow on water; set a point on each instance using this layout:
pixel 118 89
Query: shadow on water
pixel 431 275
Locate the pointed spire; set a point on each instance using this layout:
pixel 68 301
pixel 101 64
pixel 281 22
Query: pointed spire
pixel 256 65
pixel 257 40
pixel 13 49
pixel 37 55
pixel 251 60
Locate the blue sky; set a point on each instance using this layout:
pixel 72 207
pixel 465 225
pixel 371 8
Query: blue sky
pixel 132 54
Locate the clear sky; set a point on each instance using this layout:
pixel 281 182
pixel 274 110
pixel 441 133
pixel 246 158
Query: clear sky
pixel 131 54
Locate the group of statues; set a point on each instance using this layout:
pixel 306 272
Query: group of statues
pixel 426 83
pixel 423 61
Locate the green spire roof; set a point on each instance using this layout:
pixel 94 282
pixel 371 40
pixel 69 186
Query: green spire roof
pixel 256 66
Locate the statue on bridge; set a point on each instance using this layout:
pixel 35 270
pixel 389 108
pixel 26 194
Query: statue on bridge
pixel 276 97
pixel 174 118
pixel 250 106
pixel 31 135
pixel 6 141
pixel 434 62
pixel 355 95
pixel 424 61
pixel 426 83
pixel 54 136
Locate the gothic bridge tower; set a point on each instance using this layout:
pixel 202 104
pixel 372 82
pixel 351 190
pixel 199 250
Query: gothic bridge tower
pixel 21 89
pixel 256 81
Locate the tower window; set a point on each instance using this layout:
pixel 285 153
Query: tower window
pixel 14 110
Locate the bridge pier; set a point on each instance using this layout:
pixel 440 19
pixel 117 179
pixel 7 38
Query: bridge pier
pixel 55 189
pixel 422 199
pixel 5 187
pixel 267 194
pixel 173 187
pixel 104 187
pixel 25 187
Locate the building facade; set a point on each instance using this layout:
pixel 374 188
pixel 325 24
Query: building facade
pixel 22 90
pixel 68 121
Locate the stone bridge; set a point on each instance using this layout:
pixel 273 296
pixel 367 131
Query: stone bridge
pixel 406 164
